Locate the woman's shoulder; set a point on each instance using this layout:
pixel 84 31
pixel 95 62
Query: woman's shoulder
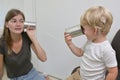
pixel 2 39
pixel 25 37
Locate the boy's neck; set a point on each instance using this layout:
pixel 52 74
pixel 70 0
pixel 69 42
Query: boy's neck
pixel 99 39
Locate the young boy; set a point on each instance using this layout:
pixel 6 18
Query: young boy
pixel 97 55
pixel 75 74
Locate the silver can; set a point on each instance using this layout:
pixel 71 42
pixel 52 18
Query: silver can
pixel 74 31
pixel 29 24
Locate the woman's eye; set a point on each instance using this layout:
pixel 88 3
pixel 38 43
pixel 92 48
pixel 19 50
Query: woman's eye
pixel 22 21
pixel 14 21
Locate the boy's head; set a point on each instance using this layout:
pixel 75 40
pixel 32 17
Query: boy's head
pixel 99 17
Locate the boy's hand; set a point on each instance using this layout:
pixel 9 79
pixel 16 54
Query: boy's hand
pixel 68 38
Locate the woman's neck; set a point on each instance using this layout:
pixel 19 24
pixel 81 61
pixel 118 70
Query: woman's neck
pixel 16 37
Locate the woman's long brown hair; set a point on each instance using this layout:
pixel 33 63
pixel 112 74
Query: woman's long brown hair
pixel 6 32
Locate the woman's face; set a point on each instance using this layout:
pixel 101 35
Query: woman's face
pixel 16 24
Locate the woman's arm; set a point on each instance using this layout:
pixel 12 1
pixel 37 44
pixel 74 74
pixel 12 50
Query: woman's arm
pixel 1 66
pixel 39 50
pixel 35 44
pixel 112 73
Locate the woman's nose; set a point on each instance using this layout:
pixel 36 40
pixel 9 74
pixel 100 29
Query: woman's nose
pixel 19 23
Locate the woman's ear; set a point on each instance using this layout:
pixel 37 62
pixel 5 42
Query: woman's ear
pixel 6 24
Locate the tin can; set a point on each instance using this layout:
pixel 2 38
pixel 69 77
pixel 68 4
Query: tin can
pixel 29 24
pixel 74 31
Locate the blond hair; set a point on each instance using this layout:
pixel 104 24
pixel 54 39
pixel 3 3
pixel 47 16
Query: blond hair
pixel 97 16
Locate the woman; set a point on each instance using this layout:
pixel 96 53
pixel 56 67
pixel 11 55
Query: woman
pixel 15 48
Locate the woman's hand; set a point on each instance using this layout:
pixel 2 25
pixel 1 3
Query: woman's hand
pixel 31 32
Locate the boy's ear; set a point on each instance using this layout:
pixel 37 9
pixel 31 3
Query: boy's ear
pixel 96 30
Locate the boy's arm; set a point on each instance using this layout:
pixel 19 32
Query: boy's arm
pixel 77 51
pixel 112 73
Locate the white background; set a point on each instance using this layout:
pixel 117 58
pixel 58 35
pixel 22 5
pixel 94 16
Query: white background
pixel 52 17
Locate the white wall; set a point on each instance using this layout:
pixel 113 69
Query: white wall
pixel 52 17
pixel 5 5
